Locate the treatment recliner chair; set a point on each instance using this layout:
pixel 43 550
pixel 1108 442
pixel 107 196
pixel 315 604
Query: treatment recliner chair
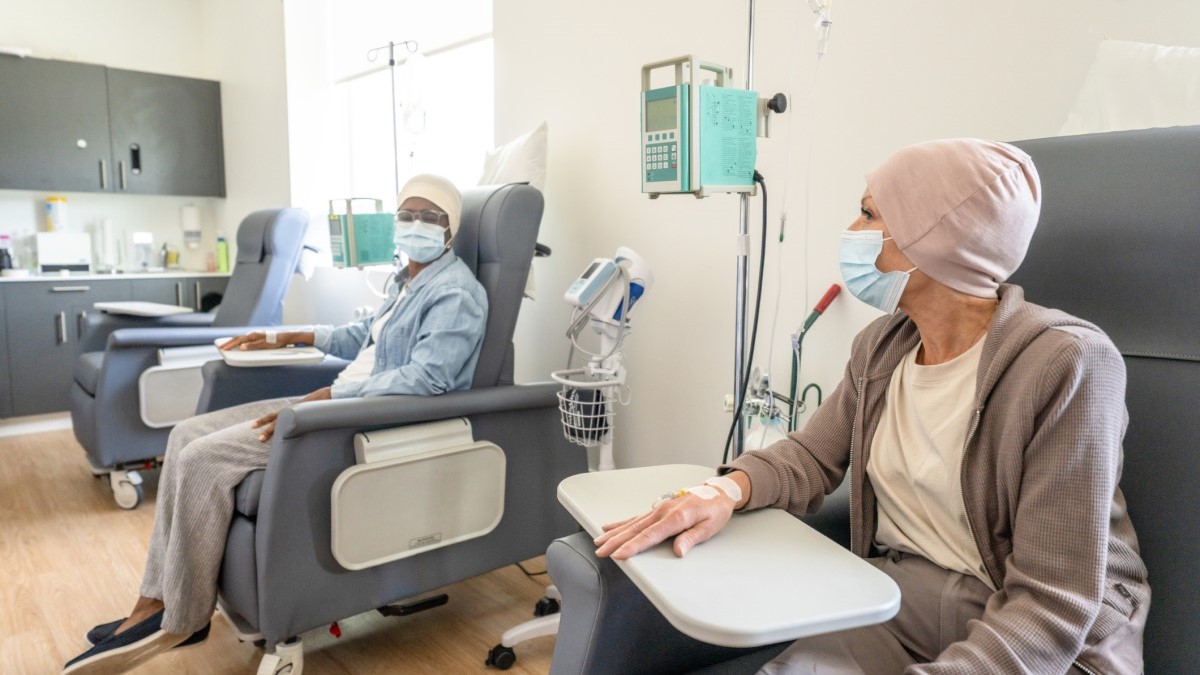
pixel 279 577
pixel 1117 244
pixel 106 411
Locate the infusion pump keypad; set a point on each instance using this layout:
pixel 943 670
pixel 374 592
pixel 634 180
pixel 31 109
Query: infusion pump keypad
pixel 662 157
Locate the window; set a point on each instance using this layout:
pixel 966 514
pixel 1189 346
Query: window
pixel 444 107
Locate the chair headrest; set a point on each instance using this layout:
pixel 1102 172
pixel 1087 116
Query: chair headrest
pixel 264 232
pixel 1118 239
pixel 495 240
pixel 269 246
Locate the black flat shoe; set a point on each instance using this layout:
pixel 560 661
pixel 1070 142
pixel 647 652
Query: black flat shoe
pixel 102 632
pixel 105 630
pixel 126 651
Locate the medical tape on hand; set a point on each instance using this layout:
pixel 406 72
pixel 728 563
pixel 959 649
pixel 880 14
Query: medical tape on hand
pixel 271 337
pixel 727 485
pixel 709 490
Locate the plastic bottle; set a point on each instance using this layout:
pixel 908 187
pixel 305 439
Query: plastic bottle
pixel 56 214
pixel 6 262
pixel 222 255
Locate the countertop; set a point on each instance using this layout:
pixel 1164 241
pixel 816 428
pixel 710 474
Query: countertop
pixel 90 276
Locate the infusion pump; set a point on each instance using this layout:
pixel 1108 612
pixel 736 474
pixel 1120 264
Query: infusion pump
pixel 696 137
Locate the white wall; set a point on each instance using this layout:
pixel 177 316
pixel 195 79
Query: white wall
pixel 896 73
pixel 239 44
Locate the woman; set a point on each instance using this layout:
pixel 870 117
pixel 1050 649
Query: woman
pixel 982 438
pixel 423 340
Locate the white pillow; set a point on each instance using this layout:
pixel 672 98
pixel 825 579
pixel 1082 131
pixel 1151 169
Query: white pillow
pixel 1134 85
pixel 521 160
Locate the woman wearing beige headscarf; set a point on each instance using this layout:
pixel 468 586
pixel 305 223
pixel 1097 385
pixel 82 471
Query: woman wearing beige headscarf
pixel 981 435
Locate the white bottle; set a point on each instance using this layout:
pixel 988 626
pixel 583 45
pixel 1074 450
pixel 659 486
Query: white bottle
pixel 56 214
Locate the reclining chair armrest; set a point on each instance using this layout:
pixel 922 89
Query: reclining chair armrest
pixel 386 411
pixel 226 386
pixel 100 325
pixel 292 529
pixel 178 337
pixel 603 611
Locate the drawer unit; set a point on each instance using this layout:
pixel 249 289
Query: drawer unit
pixel 44 321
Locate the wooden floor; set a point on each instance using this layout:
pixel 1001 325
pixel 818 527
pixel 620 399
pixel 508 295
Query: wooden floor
pixel 70 559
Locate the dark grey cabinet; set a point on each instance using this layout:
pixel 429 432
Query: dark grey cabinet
pixel 206 290
pixel 5 394
pixel 165 291
pixel 53 126
pixel 41 323
pixel 44 321
pixel 166 134
pixel 184 291
pixel 80 127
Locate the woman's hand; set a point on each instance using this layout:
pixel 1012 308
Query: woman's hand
pixel 267 422
pixel 693 519
pixel 269 340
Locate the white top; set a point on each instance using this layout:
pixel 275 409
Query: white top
pixel 916 462
pixel 766 577
pixel 364 364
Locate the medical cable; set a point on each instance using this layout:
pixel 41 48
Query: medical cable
pixel 762 259
pixel 816 8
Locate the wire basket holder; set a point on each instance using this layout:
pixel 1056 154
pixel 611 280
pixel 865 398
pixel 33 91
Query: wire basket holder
pixel 587 403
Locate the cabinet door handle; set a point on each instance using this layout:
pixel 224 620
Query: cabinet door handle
pixel 80 325
pixel 60 329
pixel 196 300
pixel 70 289
pixel 103 175
pixel 179 293
pixel 121 170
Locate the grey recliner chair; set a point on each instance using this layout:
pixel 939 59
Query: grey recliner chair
pixel 105 407
pixel 1117 244
pixel 279 577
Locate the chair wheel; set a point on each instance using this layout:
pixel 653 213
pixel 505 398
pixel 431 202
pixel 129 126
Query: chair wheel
pixel 501 657
pixel 546 606
pixel 128 495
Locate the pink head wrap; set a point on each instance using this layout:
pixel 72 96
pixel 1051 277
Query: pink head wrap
pixel 962 210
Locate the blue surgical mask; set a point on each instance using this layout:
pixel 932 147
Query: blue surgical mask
pixel 857 254
pixel 421 242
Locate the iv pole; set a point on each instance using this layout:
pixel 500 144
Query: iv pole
pixel 742 292
pixel 411 46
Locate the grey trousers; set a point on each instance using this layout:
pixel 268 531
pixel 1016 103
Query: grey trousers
pixel 207 456
pixel 935 607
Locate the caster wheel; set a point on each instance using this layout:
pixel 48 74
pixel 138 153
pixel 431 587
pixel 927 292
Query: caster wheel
pixel 546 606
pixel 501 657
pixel 127 495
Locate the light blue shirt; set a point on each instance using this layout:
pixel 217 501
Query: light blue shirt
pixel 431 342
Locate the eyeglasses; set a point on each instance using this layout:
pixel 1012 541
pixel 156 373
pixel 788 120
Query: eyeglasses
pixel 427 216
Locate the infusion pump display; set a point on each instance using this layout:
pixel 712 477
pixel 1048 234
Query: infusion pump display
pixel 664 139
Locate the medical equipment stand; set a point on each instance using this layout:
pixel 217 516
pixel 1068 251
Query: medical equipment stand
pixel 411 46
pixel 587 420
pixel 743 283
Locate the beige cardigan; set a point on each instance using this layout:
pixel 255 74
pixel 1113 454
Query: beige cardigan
pixel 1039 480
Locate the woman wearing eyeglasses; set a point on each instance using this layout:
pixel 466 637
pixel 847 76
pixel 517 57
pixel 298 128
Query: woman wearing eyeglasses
pixel 423 340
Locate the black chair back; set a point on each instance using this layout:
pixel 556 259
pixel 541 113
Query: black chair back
pixel 1118 244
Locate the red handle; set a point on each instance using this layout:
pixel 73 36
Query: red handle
pixel 827 298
